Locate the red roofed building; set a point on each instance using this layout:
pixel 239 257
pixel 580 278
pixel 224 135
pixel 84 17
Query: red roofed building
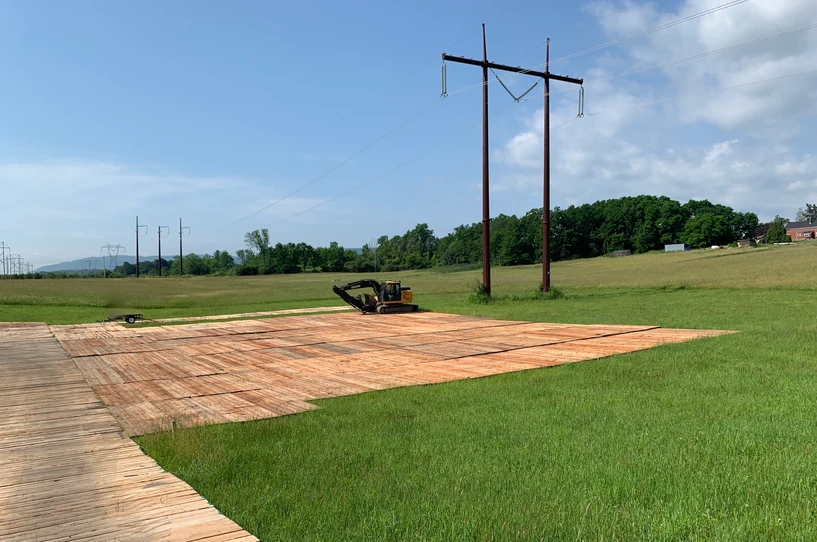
pixel 806 229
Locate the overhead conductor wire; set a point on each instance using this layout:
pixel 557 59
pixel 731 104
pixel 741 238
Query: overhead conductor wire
pixel 613 42
pixel 348 159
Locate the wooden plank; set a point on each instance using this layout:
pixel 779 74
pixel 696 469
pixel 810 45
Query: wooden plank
pixel 194 373
pixel 69 473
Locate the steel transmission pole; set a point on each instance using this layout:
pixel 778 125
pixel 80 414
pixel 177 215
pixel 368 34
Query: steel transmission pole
pixel 181 251
pixel 3 247
pixel 486 209
pixel 137 243
pixel 159 266
pixel 546 180
pixel 547 76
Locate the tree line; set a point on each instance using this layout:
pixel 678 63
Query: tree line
pixel 638 223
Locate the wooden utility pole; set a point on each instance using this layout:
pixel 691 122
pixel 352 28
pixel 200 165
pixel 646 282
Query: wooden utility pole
pixel 547 76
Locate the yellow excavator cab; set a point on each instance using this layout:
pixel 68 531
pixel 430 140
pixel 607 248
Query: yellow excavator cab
pixel 395 293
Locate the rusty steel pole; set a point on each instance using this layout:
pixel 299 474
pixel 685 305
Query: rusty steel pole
pixel 160 248
pixel 486 212
pixel 546 174
pixel 159 262
pixel 486 216
pixel 137 247
pixel 181 252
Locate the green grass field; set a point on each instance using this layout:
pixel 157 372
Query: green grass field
pixel 59 301
pixel 711 439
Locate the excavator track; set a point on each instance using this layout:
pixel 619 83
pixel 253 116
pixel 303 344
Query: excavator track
pixel 396 309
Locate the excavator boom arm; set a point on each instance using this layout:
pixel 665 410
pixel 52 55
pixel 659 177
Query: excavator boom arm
pixel 352 300
pixel 366 283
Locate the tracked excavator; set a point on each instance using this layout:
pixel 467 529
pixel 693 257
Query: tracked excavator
pixel 389 297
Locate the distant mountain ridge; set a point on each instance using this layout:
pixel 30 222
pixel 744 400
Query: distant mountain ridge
pixel 96 262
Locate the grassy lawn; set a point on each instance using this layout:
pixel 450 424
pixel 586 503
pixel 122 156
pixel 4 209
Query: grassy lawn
pixel 711 439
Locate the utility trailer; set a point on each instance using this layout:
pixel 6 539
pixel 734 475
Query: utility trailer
pixel 128 318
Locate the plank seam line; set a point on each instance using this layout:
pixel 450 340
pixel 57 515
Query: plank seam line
pixel 506 324
pixel 566 341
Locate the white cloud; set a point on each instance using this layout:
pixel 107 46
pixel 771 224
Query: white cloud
pixel 742 147
pixel 96 180
pixel 95 203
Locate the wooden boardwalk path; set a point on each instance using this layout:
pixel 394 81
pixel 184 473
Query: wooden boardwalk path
pixel 153 378
pixel 68 472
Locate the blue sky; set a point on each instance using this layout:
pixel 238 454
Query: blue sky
pixel 211 111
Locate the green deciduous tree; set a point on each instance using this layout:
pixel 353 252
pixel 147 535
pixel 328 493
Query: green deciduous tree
pixel 777 231
pixel 706 229
pixel 259 242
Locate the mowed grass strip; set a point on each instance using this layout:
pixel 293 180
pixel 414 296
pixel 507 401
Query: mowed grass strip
pixel 711 439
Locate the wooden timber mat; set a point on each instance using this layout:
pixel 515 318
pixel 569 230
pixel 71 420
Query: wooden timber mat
pixel 67 471
pixel 249 314
pixel 158 378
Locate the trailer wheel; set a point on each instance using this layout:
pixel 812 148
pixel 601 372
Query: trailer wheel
pixel 130 319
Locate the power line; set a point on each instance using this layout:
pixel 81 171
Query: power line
pixel 429 150
pixel 520 141
pixel 642 33
pixel 421 67
pixel 676 61
pixel 705 92
pixel 432 181
pixel 614 42
pixel 431 104
pixel 343 162
pixel 644 104
pixel 695 57
pixel 703 54
pixel 337 166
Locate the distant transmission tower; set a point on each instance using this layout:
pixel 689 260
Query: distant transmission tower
pixel 110 256
pixel 3 248
pixel 12 263
pixel 89 265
